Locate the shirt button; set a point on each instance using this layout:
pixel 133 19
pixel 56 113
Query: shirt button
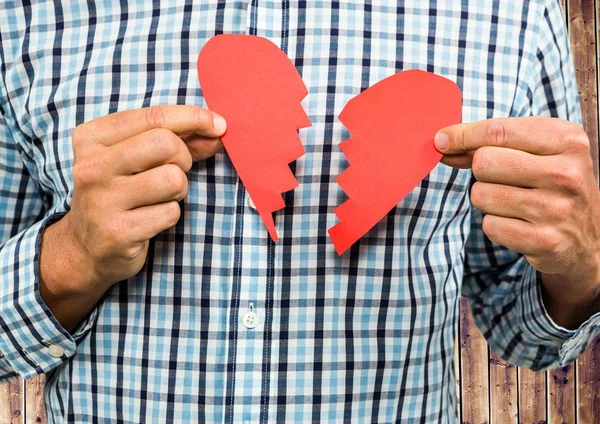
pixel 55 351
pixel 250 319
pixel 251 203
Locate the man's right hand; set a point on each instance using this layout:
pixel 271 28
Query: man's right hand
pixel 129 175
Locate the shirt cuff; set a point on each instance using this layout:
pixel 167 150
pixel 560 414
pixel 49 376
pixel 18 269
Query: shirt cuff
pixel 540 328
pixel 32 341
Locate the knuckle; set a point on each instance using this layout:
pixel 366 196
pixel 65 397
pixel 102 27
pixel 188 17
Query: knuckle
pixel 489 228
pixel 182 189
pixel 187 161
pixel 576 137
pixel 167 143
pixel 548 240
pixel 172 213
pixel 175 178
pixel 203 118
pixel 87 171
pixel 496 134
pixel 561 207
pixel 567 177
pixel 79 134
pixel 478 195
pixel 155 117
pixel 459 140
pixel 80 174
pixel 480 163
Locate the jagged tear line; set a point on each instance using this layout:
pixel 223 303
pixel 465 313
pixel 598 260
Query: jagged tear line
pixel 400 167
pixel 250 82
pixel 267 216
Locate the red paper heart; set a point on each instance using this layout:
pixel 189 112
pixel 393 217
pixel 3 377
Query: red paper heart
pixel 251 83
pixel 393 124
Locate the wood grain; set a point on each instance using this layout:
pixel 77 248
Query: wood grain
pixel 532 397
pixel 582 27
pixel 35 412
pixel 474 369
pixel 504 405
pixel 561 395
pixel 457 373
pixel 582 23
pixel 11 402
pixel 588 385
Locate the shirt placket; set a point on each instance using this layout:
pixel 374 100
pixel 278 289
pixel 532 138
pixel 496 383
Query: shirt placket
pixel 252 275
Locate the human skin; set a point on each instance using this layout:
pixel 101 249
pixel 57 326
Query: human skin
pixel 129 175
pixel 536 186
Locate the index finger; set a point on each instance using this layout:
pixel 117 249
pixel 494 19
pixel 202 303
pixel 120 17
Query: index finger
pixel 535 135
pixel 119 126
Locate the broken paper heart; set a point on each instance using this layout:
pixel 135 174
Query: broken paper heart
pixel 391 151
pixel 251 83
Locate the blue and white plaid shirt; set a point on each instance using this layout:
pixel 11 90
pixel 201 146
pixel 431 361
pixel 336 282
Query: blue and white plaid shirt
pixel 366 337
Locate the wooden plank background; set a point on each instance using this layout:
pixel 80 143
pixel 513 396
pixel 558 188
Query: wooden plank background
pixel 489 389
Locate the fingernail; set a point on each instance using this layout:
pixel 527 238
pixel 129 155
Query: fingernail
pixel 441 141
pixel 219 123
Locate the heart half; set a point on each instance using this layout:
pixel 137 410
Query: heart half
pixel 251 83
pixel 393 124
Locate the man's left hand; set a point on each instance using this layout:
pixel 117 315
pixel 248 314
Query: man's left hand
pixel 536 187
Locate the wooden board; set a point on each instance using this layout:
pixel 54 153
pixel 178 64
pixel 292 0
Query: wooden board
pixel 532 396
pixel 561 395
pixel 474 369
pixel 11 402
pixel 457 373
pixel 582 21
pixel 582 27
pixel 35 412
pixel 488 389
pixel 503 391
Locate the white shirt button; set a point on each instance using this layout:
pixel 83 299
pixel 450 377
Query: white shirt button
pixel 55 351
pixel 251 203
pixel 250 319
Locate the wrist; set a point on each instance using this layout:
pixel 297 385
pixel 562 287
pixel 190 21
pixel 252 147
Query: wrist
pixel 69 284
pixel 571 300
pixel 65 267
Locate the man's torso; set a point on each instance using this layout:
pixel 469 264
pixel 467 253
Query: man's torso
pixel 363 337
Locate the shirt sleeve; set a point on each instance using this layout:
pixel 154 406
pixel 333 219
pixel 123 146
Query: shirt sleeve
pixel 503 289
pixel 32 341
